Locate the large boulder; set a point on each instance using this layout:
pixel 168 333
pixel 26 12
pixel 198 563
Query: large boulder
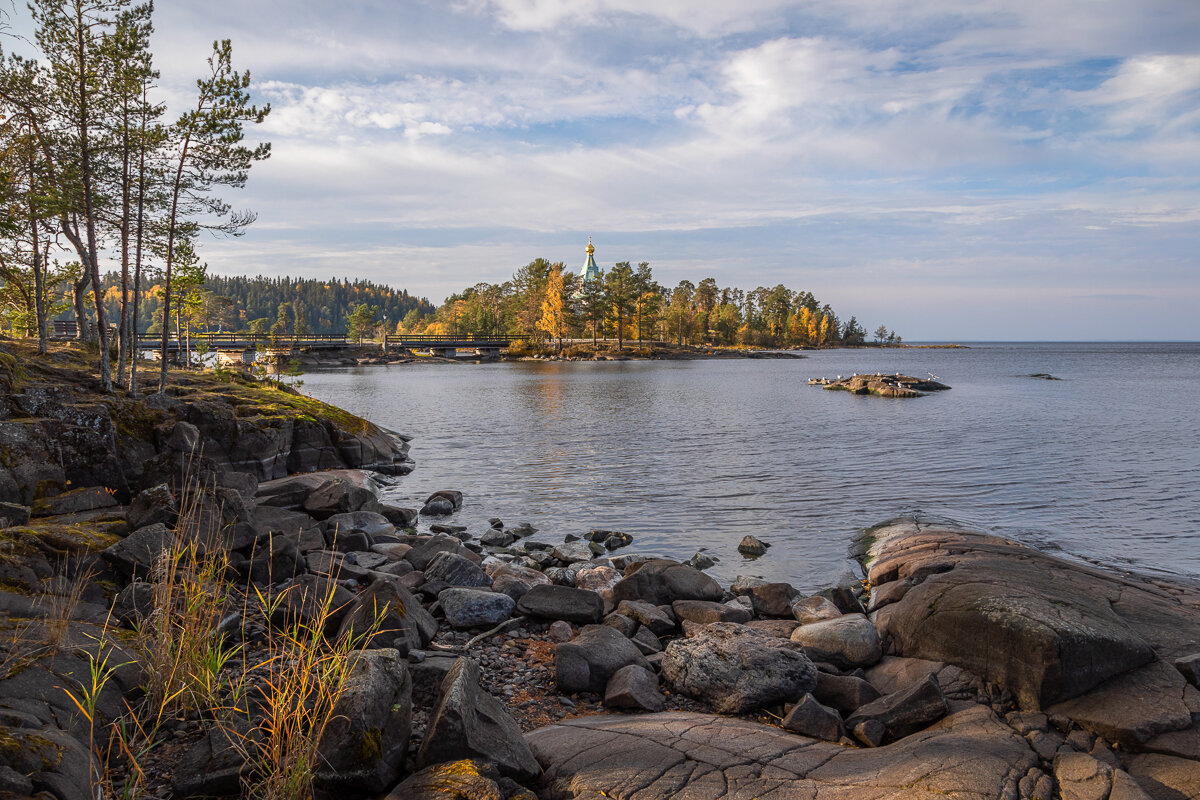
pixel 513 579
pixel 362 747
pixel 1041 627
pixel 214 766
pixel 475 608
pixel 451 569
pixel 423 553
pixel 810 718
pixel 153 505
pixel 312 600
pixel 88 498
pixel 635 688
pixel 587 662
pixel 389 616
pixel 339 497
pixel 136 555
pixel 846 693
pixel 291 492
pixel 704 612
pixel 562 602
pixel 367 522
pixel 662 582
pixel 737 669
pixel 773 599
pixel 300 529
pixel 648 616
pixel 848 641
pixel 469 723
pixel 1133 708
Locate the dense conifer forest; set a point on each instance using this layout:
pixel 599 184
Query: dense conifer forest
pixel 256 303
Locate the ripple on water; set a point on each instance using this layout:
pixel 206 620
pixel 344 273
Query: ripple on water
pixel 686 455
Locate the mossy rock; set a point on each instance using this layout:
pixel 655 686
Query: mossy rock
pixel 54 540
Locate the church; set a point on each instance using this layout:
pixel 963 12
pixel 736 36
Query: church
pixel 590 271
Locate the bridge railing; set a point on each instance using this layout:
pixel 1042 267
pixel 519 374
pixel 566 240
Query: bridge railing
pixel 253 338
pixel 399 338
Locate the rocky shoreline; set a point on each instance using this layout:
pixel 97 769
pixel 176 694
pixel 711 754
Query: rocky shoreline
pixel 507 663
pixel 631 352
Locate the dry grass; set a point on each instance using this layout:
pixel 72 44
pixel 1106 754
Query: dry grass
pixel 305 679
pixel 183 651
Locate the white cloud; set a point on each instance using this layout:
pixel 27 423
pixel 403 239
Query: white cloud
pixel 895 142
pixel 1149 90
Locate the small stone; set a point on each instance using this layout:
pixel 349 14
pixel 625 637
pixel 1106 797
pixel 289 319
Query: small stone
pixel 1189 667
pixel 634 687
pixel 648 615
pixel 809 718
pixel 561 631
pixel 646 641
pixel 814 609
pixel 870 732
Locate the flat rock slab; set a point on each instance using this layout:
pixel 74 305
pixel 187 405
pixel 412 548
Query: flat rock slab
pixel 1045 628
pixel 970 754
pixel 1133 708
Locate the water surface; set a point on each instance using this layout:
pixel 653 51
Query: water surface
pixel 1102 464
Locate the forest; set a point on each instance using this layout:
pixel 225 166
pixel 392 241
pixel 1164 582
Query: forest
pixel 258 304
pixel 94 178
pixel 625 302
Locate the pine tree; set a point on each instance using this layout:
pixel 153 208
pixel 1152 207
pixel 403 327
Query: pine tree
pixel 619 297
pixel 210 153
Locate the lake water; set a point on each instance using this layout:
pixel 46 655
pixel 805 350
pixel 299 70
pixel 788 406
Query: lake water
pixel 1103 464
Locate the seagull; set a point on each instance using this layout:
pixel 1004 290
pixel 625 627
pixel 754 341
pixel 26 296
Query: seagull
pixel 933 377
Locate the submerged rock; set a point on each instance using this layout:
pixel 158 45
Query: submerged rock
pixel 752 546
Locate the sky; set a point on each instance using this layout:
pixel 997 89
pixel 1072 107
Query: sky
pixel 969 170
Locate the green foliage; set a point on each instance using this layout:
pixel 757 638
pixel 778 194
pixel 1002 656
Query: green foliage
pixel 251 303
pixel 362 321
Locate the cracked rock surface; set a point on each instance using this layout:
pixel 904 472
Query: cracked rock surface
pixel 969 754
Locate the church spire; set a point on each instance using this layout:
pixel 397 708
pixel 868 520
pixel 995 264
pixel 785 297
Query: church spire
pixel 590 271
